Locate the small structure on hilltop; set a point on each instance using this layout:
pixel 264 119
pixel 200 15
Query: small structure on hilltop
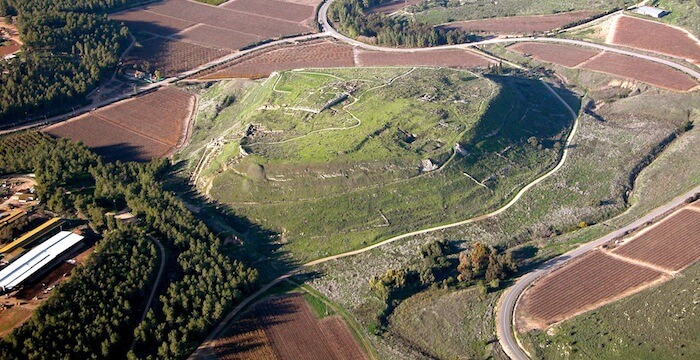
pixel 651 11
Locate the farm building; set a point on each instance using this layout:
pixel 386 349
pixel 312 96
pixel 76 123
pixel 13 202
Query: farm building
pixel 651 11
pixel 43 230
pixel 41 257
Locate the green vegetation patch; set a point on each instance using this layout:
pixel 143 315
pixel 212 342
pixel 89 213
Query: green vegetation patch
pixel 336 159
pixel 660 322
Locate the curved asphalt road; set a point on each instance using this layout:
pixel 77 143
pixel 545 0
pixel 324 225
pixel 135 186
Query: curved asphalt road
pixel 509 299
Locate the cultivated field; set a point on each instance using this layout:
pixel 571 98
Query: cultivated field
pixel 672 244
pixel 286 328
pixel 311 54
pixel 642 70
pixel 153 23
pixel 585 284
pixel 138 129
pixel 444 58
pixel 330 54
pixel 522 24
pixel 569 56
pixel 272 8
pixel 656 37
pixel 172 57
pixel 607 62
pixel 243 18
pixel 658 323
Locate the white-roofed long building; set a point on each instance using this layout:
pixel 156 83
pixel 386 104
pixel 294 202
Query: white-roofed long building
pixel 37 259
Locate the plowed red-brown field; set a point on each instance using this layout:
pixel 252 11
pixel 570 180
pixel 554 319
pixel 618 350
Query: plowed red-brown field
pixel 151 22
pixel 447 58
pixel 584 284
pixel 522 24
pixel 672 244
pixel 138 129
pixel 267 18
pixel 227 39
pixel 285 328
pixel 642 70
pixel 317 53
pixel 276 9
pixel 173 57
pixel 569 56
pixel 656 37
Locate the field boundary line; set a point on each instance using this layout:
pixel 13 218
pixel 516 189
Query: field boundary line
pixel 640 263
pixel 585 62
pixel 108 120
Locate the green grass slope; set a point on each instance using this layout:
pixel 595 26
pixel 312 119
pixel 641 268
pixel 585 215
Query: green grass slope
pixel 341 178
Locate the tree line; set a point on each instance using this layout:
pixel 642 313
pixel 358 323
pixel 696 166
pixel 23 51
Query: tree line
pixel 203 283
pixel 70 45
pixel 354 19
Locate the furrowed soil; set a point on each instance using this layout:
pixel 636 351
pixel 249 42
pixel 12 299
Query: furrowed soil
pixel 584 284
pixel 137 129
pixel 660 322
pixel 286 328
pixel 657 37
pixel 672 244
pixel 521 24
pixel 564 55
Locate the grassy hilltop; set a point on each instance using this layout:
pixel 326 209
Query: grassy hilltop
pixel 337 159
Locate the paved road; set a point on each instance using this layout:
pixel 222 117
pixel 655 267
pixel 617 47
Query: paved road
pixel 504 325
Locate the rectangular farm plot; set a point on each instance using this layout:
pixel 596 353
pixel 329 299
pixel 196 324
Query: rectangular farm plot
pixel 219 38
pixel 250 23
pixel 146 21
pixel 522 24
pixel 109 140
pixel 642 70
pixel 569 56
pixel 173 57
pixel 592 281
pixel 138 129
pixel 656 37
pixel 159 115
pixel 672 244
pixel 286 328
pixel 312 54
pixel 272 8
pixel 447 58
